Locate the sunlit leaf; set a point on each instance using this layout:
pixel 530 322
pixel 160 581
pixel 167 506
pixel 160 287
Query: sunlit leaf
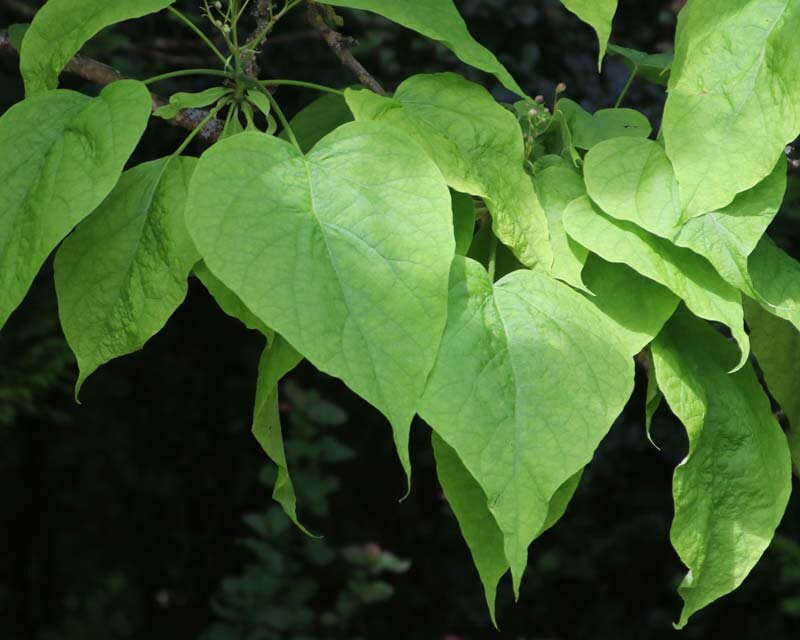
pixel 732 489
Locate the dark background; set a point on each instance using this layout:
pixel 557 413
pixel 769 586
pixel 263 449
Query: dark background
pixel 145 512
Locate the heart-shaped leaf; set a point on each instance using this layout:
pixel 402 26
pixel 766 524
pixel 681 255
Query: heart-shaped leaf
pixel 68 152
pixel 529 378
pixel 124 271
pixel 344 252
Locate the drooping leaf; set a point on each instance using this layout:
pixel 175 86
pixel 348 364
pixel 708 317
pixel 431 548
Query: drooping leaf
pixel 732 489
pixel 124 271
pixel 638 306
pixel 556 187
pixel 278 359
pixel 653 67
pixel 228 301
pixel 688 275
pixel 599 14
pixel 776 345
pixel 180 101
pixel 66 153
pixel 633 180
pixel 477 524
pixel 528 380
pixel 560 501
pixel 653 399
pixel 440 21
pixel 478 146
pixel 481 533
pixel 463 221
pixel 61 27
pixel 590 129
pixel 775 277
pixel 344 252
pixel 318 119
pixel 733 96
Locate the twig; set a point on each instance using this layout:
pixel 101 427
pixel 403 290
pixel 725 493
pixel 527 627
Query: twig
pixel 102 74
pixel 340 45
pixel 263 17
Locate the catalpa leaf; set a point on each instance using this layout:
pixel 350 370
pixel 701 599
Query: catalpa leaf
pixel 228 301
pixel 478 526
pixel 528 380
pixel 344 252
pixel 481 533
pixel 440 21
pixel 123 272
pixel 776 345
pixel 732 489
pixel 61 27
pixel 775 277
pixel 688 275
pixel 478 146
pixel 638 306
pixel 278 359
pixel 733 96
pixel 633 180
pixel 653 67
pixel 68 152
pixel 599 14
pixel 556 187
pixel 590 129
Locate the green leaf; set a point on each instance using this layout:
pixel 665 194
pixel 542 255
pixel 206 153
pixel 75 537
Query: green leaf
pixel 638 306
pixel 653 67
pixel 463 221
pixel 733 96
pixel 556 187
pixel 732 489
pixel 318 119
pixel 776 345
pixel 528 380
pixel 278 359
pixel 560 501
pixel 477 524
pixel 599 14
pixel 228 301
pixel 633 180
pixel 688 275
pixel 653 400
pixel 344 252
pixel 261 102
pixel 123 272
pixel 61 27
pixel 478 146
pixel 588 130
pixel 68 152
pixel 440 21
pixel 776 280
pixel 16 34
pixel 180 101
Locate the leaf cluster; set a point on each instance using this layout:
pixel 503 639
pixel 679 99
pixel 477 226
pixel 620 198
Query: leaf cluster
pixel 494 269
